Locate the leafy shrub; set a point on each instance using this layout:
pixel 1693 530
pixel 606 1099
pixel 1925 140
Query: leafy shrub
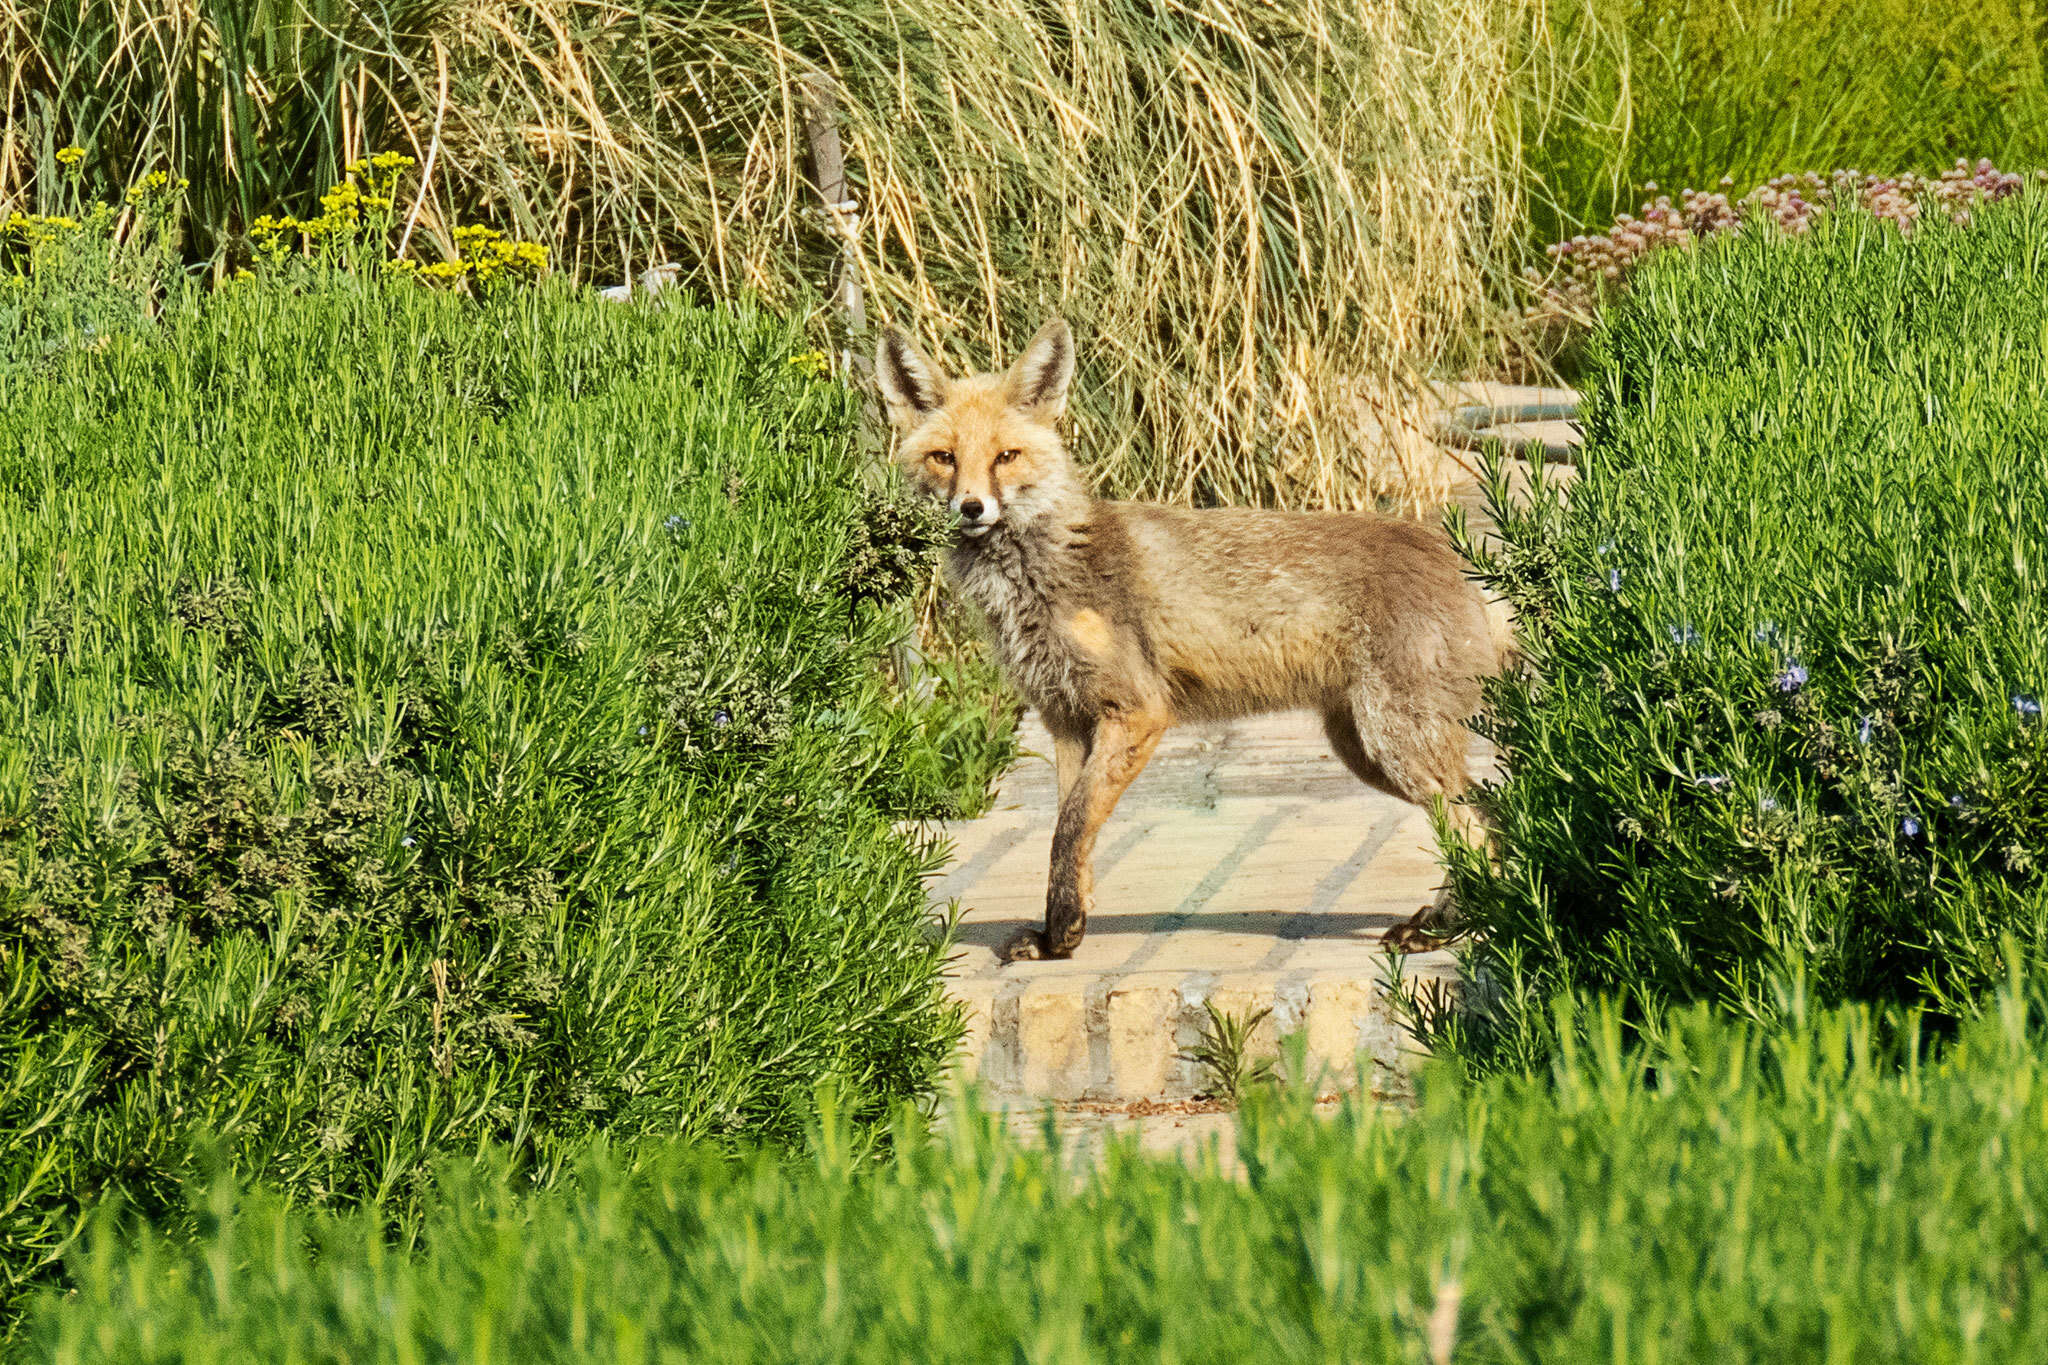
pixel 439 722
pixel 1795 1195
pixel 78 277
pixel 1790 636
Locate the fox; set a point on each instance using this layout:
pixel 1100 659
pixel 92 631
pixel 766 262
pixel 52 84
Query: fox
pixel 1118 620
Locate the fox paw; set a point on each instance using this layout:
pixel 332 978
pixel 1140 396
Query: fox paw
pixel 1026 945
pixel 1413 938
pixel 1428 929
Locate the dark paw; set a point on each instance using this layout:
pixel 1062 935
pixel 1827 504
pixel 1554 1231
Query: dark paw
pixel 1430 928
pixel 1027 945
pixel 1413 938
pixel 1066 924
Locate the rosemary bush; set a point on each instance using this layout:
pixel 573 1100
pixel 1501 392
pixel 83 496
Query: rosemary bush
pixel 1790 636
pixel 439 721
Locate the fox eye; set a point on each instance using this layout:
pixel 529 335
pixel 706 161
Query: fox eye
pixel 944 457
pixel 1006 456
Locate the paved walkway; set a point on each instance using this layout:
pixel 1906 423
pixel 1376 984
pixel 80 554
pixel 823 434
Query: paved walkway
pixel 1244 867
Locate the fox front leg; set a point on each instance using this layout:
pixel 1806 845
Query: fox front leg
pixel 1121 747
pixel 1069 752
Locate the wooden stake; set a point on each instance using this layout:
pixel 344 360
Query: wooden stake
pixel 842 211
pixel 842 220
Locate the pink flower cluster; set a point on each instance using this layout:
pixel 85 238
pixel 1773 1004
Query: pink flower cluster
pixel 1587 267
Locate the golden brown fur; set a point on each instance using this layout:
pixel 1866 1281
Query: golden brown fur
pixel 1118 620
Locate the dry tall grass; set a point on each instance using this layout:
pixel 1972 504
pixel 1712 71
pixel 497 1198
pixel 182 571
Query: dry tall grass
pixel 1270 220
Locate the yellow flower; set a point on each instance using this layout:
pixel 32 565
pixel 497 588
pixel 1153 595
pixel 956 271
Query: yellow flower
pixel 269 233
pixel 153 183
pixel 391 161
pixel 814 361
pixel 474 236
pixel 70 156
pixel 37 229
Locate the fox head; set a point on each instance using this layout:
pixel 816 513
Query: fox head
pixel 986 444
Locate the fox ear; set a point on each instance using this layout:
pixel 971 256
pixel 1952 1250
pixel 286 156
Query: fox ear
pixel 911 385
pixel 1038 381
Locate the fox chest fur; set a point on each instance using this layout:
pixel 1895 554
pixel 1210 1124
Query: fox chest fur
pixel 1061 615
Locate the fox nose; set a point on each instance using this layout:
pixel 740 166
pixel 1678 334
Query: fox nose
pixel 970 510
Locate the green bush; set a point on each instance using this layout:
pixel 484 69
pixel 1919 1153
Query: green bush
pixel 1790 636
pixel 1804 1194
pixel 438 722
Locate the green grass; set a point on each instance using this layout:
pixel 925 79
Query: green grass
pixel 1619 93
pixel 1807 1193
pixel 435 723
pixel 1791 633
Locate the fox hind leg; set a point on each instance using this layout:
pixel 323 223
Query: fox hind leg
pixel 1418 757
pixel 1342 731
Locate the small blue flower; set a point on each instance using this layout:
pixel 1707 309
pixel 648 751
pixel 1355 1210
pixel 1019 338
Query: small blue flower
pixel 1682 634
pixel 1909 827
pixel 1792 678
pixel 1766 803
pixel 677 523
pixel 1766 633
pixel 2029 708
pixel 721 718
pixel 1863 728
pixel 1955 801
pixel 407 842
pixel 643 730
pixel 1605 547
pixel 1614 580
